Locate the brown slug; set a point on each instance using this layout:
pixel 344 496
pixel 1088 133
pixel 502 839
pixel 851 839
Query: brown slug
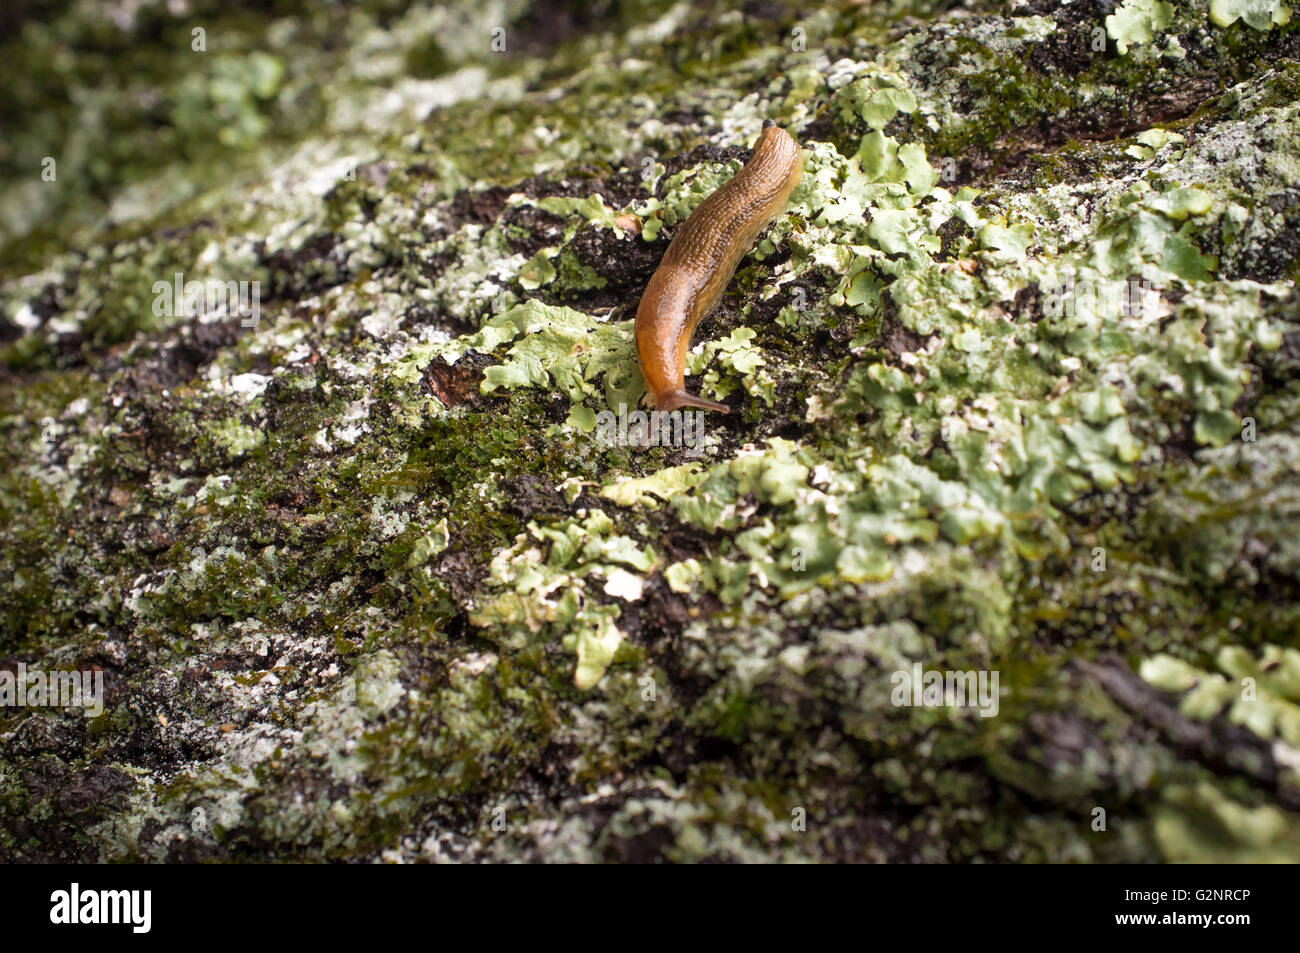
pixel 701 259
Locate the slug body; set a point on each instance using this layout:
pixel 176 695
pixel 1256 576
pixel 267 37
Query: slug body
pixel 701 259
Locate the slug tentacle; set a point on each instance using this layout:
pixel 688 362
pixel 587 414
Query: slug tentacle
pixel 679 398
pixel 701 259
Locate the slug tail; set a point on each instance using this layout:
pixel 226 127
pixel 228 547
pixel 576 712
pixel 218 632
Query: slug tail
pixel 679 398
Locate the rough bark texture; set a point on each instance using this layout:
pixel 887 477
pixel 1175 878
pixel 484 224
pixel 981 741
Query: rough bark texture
pixel 1019 386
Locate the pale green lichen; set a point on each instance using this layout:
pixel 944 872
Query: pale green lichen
pixel 1260 14
pixel 370 581
pixel 1137 21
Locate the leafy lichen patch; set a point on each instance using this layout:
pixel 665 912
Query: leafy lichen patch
pixel 1017 376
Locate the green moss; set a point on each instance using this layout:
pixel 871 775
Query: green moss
pixel 370 582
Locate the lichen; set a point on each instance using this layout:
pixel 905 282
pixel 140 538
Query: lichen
pixel 1015 376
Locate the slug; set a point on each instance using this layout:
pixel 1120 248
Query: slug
pixel 701 259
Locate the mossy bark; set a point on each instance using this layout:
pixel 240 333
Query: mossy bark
pixel 1017 393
